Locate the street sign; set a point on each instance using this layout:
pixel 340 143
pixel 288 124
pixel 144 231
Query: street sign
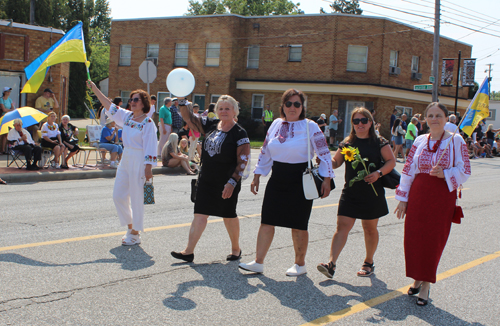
pixel 425 87
pixel 431 79
pixel 147 72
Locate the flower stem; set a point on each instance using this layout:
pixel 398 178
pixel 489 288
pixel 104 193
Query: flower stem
pixel 367 172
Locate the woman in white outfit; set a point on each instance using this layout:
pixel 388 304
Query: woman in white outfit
pixel 139 157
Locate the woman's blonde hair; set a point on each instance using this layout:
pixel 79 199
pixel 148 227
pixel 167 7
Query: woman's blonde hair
pixel 51 113
pixel 229 99
pixel 490 126
pixel 183 140
pixel 172 139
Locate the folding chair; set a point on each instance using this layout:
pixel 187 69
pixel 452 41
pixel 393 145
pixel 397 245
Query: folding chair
pixel 94 137
pixel 47 154
pixel 15 157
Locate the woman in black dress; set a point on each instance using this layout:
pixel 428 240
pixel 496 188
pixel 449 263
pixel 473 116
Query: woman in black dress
pixel 360 201
pixel 225 154
pixel 68 137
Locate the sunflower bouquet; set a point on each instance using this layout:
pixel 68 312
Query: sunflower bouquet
pixel 351 154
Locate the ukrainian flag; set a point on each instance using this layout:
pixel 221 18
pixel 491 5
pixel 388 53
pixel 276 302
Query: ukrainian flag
pixel 478 109
pixel 70 48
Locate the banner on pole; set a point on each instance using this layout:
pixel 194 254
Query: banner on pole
pixel 447 73
pixel 469 72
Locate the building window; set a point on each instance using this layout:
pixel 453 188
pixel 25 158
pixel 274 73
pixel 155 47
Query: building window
pixel 357 58
pixel 414 63
pixel 213 54
pixel 404 109
pixel 253 57
pixel 295 53
pixel 153 51
pixel 200 100
pixel 125 54
pixel 393 61
pixel 125 95
pixel 181 54
pixel 257 106
pixel 214 98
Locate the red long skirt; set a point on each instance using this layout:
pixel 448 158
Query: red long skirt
pixel 428 222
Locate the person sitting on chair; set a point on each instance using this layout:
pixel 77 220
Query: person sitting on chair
pixel 51 138
pixel 109 141
pixel 21 140
pixel 68 136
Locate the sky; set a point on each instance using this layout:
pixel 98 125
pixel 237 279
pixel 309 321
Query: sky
pixel 478 14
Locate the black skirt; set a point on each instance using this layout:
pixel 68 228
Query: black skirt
pixel 47 144
pixel 284 202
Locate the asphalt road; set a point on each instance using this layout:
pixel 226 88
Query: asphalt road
pixel 88 278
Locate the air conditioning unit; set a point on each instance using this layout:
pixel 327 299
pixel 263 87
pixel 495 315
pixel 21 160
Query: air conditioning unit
pixel 416 75
pixel 154 60
pixel 394 70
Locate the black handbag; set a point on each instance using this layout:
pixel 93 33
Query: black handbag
pixel 391 180
pixel 194 189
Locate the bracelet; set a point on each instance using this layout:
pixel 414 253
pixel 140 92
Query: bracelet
pixel 232 181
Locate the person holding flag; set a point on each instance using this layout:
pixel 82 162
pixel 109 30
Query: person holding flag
pixel 437 165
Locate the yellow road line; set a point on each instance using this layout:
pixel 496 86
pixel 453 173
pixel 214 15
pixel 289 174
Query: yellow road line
pixel 333 317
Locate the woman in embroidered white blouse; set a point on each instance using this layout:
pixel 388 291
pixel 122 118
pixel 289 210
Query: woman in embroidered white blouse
pixel 437 165
pixel 285 152
pixel 139 157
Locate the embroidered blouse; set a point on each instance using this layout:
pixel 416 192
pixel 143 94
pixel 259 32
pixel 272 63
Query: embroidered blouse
pixel 50 131
pixel 286 142
pixel 136 135
pixel 455 163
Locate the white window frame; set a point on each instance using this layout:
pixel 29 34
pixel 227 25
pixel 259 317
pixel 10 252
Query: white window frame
pixel 393 62
pixel 160 98
pixel 212 60
pixel 257 107
pixel 415 61
pixel 201 110
pixel 179 54
pixel 125 95
pixel 214 96
pixel 150 47
pixel 253 63
pixel 123 57
pixel 365 61
pixel 404 109
pixel 294 46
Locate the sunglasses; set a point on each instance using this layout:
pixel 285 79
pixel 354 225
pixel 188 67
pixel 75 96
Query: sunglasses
pixel 135 99
pixel 362 120
pixel 296 104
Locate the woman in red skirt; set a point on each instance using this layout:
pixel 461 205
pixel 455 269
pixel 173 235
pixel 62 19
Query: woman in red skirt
pixel 428 222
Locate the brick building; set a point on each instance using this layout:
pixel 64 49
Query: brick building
pixel 20 44
pixel 340 61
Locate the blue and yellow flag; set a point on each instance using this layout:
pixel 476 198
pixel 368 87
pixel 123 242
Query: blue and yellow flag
pixel 478 109
pixel 70 48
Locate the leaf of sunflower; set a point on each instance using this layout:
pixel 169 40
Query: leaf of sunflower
pixel 355 164
pixel 372 165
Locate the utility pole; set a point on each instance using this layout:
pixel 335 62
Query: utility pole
pixel 458 80
pixel 32 12
pixel 489 70
pixel 435 55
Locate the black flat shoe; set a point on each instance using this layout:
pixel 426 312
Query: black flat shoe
pixel 413 291
pixel 178 255
pixel 233 257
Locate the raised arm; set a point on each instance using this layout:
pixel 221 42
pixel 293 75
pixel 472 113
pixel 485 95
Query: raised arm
pixel 193 122
pixel 106 102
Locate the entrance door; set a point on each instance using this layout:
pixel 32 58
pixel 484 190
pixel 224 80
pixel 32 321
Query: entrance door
pixel 12 80
pixel 350 106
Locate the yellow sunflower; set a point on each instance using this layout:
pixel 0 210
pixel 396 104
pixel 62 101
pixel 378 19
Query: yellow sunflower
pixel 349 153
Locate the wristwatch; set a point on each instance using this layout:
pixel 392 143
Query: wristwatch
pixel 380 173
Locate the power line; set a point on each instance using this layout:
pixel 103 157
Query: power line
pixel 474 32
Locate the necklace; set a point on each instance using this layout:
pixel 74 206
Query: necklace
pixel 134 117
pixel 436 145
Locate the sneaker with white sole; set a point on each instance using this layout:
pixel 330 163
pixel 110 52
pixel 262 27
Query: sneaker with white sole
pixel 296 270
pixel 132 239
pixel 126 234
pixel 252 267
pixel 57 166
pixel 113 165
pixel 53 164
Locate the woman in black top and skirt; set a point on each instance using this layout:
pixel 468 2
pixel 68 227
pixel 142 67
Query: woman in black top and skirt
pixel 224 157
pixel 360 201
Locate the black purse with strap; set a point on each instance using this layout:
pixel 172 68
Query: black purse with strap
pixel 392 179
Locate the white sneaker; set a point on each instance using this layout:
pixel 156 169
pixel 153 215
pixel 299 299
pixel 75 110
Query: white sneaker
pixel 53 164
pixel 57 166
pixel 126 234
pixel 252 267
pixel 113 165
pixel 296 270
pixel 131 239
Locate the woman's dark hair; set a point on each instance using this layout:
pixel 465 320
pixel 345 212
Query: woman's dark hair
pixel 117 100
pixel 439 105
pixel 397 122
pixel 144 98
pixel 287 95
pixel 371 133
pixel 211 107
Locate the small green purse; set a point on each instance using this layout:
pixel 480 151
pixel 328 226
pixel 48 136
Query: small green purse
pixel 149 193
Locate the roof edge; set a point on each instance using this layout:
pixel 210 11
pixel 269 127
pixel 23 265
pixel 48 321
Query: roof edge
pixel 4 22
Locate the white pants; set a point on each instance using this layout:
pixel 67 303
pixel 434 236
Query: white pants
pixel 163 138
pixel 128 192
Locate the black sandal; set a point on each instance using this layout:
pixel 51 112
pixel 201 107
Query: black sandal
pixel 364 273
pixel 423 302
pixel 327 269
pixel 413 291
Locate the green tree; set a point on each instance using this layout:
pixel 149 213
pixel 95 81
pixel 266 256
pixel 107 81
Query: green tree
pixel 344 7
pixel 243 7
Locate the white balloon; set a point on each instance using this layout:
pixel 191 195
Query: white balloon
pixel 180 82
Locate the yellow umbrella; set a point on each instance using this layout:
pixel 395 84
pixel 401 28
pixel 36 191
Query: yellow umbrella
pixel 29 117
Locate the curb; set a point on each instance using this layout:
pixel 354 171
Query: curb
pixel 58 176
